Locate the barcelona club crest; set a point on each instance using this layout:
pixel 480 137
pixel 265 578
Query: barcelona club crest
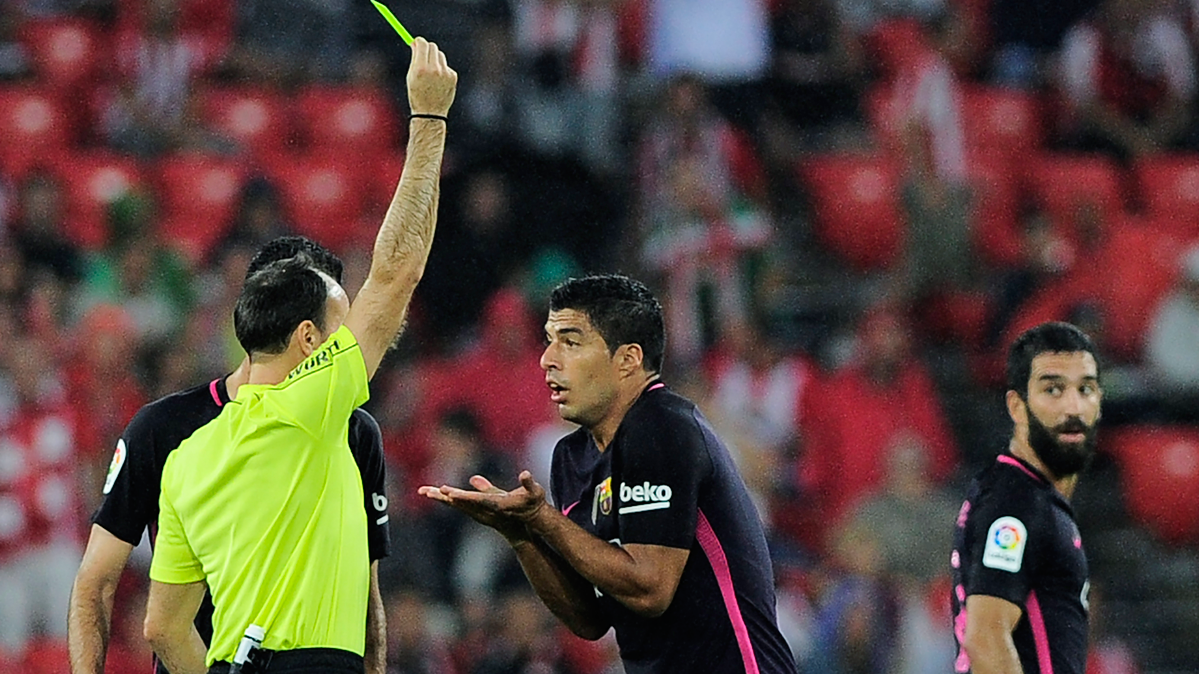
pixel 603 500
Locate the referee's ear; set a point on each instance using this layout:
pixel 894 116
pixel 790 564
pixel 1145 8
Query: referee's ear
pixel 307 337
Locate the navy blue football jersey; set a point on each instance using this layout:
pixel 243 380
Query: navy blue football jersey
pixel 667 479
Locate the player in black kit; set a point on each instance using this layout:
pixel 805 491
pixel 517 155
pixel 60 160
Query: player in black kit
pixel 656 536
pixel 1019 568
pixel 131 491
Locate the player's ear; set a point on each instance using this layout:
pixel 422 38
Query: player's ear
pixel 308 337
pixel 631 358
pixel 1017 408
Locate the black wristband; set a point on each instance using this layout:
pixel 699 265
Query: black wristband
pixel 420 115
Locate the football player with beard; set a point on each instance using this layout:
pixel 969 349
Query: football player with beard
pixel 1019 568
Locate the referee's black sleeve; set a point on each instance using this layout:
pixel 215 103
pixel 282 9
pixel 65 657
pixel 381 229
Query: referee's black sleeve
pixel 366 443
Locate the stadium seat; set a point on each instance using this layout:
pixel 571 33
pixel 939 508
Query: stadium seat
pixel 997 234
pixel 1159 471
pixel 1000 120
pixel 1139 265
pixel 1169 188
pixel 381 183
pixel 322 194
pixel 1064 183
pixel 33 125
pixel 347 119
pixel 199 198
pixel 256 118
pixel 66 52
pixel 856 207
pixel 94 180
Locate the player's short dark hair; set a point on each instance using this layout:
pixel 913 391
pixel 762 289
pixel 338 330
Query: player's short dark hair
pixel 1053 337
pixel 322 259
pixel 275 300
pixel 621 309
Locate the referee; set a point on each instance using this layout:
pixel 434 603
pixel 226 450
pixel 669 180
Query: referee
pixel 263 504
pixel 657 536
pixel 130 503
pixel 1019 568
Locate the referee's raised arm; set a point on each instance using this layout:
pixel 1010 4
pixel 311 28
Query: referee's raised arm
pixel 406 235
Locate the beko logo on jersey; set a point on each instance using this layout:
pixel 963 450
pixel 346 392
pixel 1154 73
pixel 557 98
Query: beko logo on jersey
pixel 647 497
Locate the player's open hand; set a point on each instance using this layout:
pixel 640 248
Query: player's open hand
pixel 491 505
pixel 432 83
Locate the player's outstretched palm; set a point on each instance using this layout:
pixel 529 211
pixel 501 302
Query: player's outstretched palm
pixel 505 511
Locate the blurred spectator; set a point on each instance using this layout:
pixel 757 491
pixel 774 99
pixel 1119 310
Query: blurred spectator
pixel 467 560
pixel 40 514
pixel 1045 255
pixel 156 65
pixel 725 43
pixel 480 244
pixel 139 273
pixel 15 59
pixel 205 26
pixel 1025 33
pixel 882 400
pixel 486 96
pixel 701 220
pixel 284 44
pixel 857 617
pixel 863 16
pixel 412 646
pixel 567 95
pixel 38 230
pixel 818 67
pixel 1172 346
pixel 1128 78
pixel 102 383
pixel 522 640
pixel 502 377
pixel 757 390
pixel 259 217
pixel 909 507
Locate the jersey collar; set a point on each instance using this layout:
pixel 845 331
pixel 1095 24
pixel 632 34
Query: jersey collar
pixel 219 391
pixel 1013 460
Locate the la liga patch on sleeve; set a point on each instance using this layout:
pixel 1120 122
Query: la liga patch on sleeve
pixel 114 468
pixel 1006 540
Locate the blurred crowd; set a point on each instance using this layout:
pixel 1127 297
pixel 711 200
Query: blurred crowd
pixel 848 207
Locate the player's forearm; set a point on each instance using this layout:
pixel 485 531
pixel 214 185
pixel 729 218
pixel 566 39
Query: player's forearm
pixel 992 652
pixel 406 235
pixel 376 627
pixel 89 620
pixel 563 591
pixel 608 567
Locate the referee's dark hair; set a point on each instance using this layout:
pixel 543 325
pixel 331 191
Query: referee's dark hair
pixel 621 309
pixel 321 258
pixel 275 300
pixel 1053 337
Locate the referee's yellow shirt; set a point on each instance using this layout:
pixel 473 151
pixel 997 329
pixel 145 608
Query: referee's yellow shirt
pixel 265 504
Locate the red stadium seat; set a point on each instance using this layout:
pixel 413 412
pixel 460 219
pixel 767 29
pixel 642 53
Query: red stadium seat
pixel 1000 120
pixel 1169 189
pixel 66 52
pixel 322 194
pixel 256 118
pixel 1139 265
pixel 1063 184
pixel 856 207
pixel 1159 470
pixel 33 125
pixel 997 235
pixel 93 181
pixel 347 119
pixel 199 198
pixel 381 183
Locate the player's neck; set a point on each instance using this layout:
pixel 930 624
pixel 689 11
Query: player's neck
pixel 604 431
pixel 1020 449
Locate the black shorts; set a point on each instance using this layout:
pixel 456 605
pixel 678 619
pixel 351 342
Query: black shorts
pixel 306 661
